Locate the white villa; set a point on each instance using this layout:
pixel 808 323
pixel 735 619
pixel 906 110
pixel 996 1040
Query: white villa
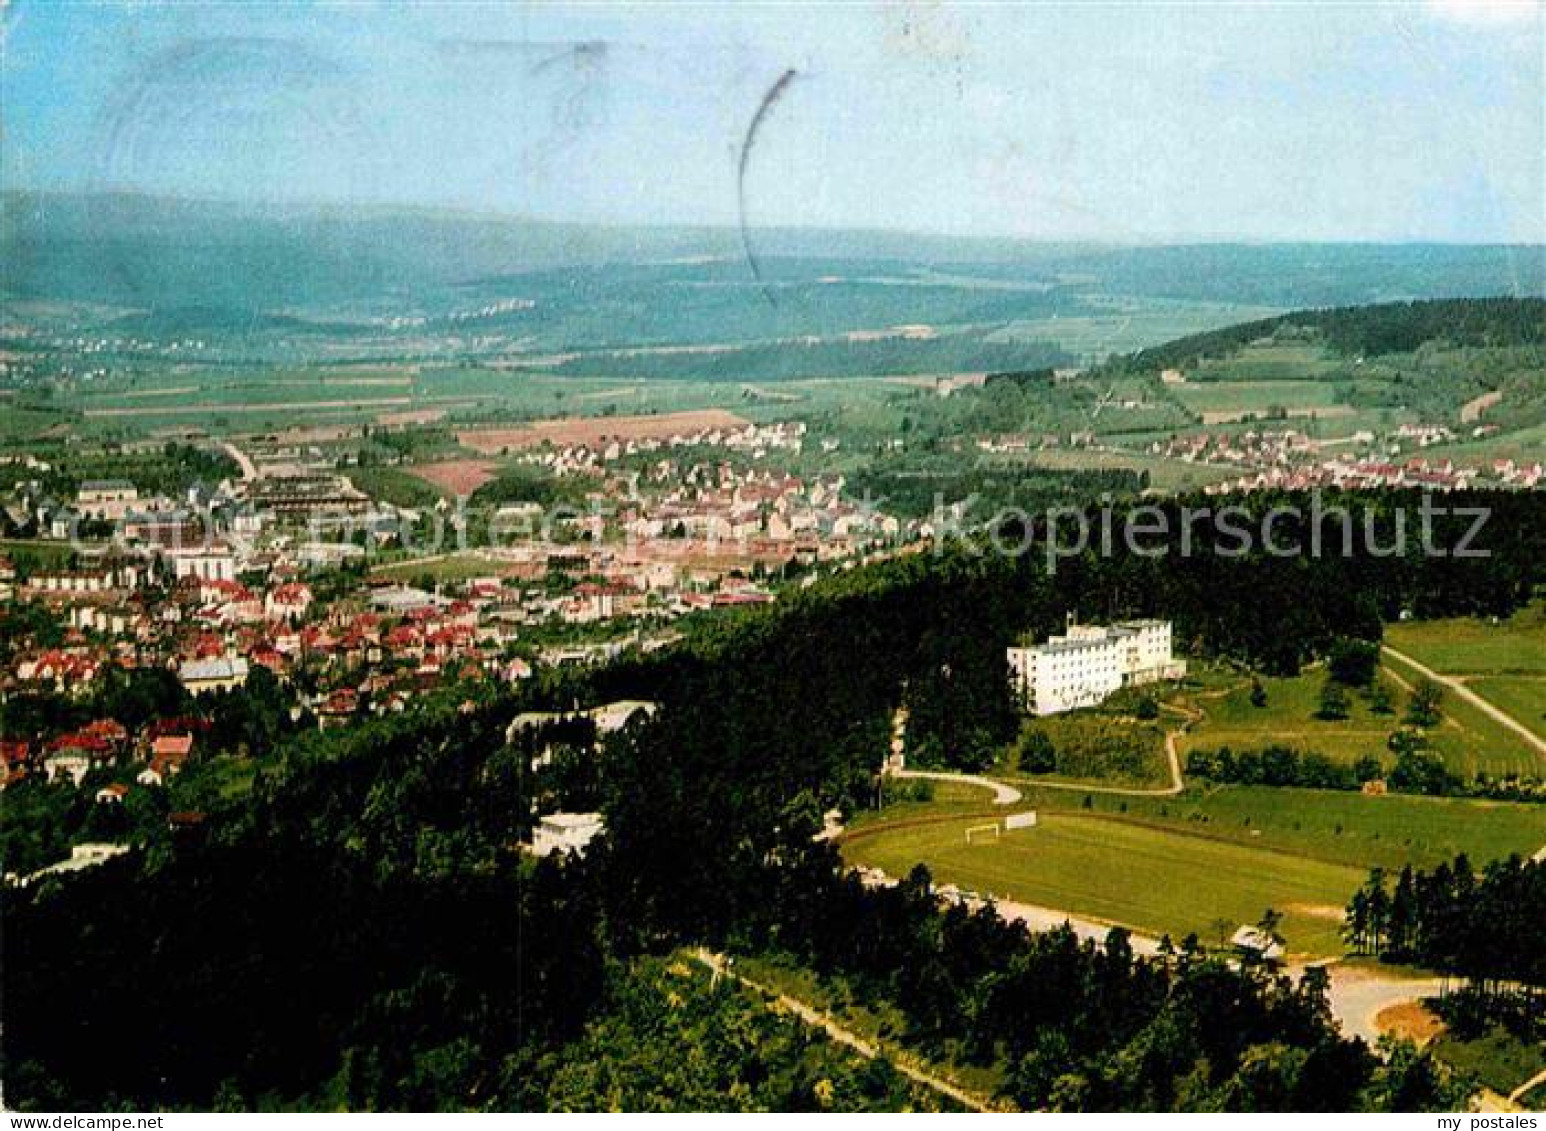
pixel 1089 662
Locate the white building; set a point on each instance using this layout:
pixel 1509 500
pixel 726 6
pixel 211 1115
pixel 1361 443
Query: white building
pixel 212 563
pixel 82 856
pixel 219 674
pixel 1087 664
pixel 564 832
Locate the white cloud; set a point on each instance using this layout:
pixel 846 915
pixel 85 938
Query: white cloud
pixel 1488 13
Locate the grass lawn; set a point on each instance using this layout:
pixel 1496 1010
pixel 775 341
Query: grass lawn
pixel 1336 827
pixel 1468 646
pixel 1523 697
pixel 1469 741
pixel 1179 864
pixel 1152 879
pixel 1289 719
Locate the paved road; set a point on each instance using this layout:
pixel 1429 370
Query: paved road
pixel 844 1036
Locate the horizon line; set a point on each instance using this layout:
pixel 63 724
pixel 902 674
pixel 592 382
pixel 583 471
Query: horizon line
pixel 730 229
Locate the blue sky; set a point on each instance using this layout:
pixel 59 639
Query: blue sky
pixel 1121 122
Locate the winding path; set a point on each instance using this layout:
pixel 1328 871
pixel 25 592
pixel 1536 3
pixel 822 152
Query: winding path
pixel 1172 759
pixel 1002 794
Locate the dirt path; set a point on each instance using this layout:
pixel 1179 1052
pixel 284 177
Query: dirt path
pixel 248 468
pixel 1172 761
pixel 1002 794
pixel 1519 1093
pixel 1472 410
pixel 1496 714
pixel 1038 918
pixel 815 1018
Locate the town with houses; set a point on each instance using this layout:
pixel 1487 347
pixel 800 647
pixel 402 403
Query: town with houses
pixel 288 568
pixel 289 573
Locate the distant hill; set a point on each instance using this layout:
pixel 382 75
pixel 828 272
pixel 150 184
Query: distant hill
pixel 1385 328
pixel 1315 275
pixel 148 253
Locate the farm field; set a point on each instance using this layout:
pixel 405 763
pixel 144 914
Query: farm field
pixel 1471 741
pixel 1270 361
pixel 1132 324
pixel 1152 879
pixel 599 429
pixel 1164 474
pixel 1255 396
pixel 455 477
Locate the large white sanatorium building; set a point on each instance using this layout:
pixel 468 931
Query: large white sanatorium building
pixel 1087 664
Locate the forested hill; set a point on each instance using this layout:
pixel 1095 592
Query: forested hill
pixel 1395 327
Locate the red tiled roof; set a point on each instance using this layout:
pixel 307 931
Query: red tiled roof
pixel 172 746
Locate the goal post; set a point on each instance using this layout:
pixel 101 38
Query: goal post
pixel 982 831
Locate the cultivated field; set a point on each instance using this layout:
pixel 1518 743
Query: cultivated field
pixel 596 430
pixel 457 476
pixel 1523 697
pixel 1233 397
pixel 1503 663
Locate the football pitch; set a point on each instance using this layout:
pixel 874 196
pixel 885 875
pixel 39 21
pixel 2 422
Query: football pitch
pixel 1152 880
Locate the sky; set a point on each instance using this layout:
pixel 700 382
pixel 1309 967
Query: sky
pixel 1093 121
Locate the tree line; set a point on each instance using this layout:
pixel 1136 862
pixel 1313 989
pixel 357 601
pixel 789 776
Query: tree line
pixel 1483 927
pixel 1382 328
